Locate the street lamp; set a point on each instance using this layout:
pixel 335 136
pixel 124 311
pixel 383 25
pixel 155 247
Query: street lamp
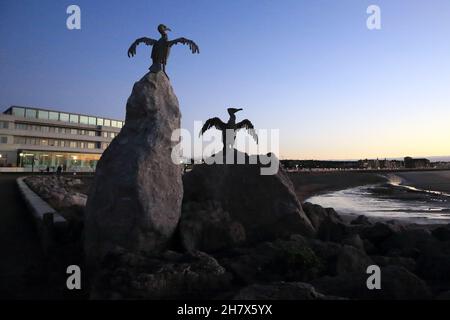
pixel 21 159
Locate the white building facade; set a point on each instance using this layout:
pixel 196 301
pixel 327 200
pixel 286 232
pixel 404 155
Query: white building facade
pixel 34 139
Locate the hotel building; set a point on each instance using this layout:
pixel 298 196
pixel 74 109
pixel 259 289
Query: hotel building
pixel 39 139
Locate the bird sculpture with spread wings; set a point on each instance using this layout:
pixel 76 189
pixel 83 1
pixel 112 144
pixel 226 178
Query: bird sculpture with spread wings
pixel 229 129
pixel 161 48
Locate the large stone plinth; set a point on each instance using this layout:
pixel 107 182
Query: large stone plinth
pixel 135 200
pixel 265 205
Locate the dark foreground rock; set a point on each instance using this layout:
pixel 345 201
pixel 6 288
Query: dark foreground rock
pixel 397 283
pixel 135 199
pixel 265 205
pixel 281 291
pixel 207 227
pixel 170 275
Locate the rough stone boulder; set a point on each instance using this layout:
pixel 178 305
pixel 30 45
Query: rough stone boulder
pixel 318 215
pixel 207 227
pixel 281 260
pixel 170 275
pixel 281 291
pixel 361 220
pixel 135 198
pixel 266 205
pixel 397 283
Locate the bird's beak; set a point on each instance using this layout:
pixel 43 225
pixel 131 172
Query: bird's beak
pixel 240 109
pixel 168 29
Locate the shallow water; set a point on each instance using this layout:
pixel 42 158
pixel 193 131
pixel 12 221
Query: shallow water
pixel 399 202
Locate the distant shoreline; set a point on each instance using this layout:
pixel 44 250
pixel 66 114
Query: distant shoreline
pixel 308 184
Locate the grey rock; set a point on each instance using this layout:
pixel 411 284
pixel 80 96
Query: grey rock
pixel 378 232
pixel 135 199
pixel 442 233
pixel 281 260
pixel 354 240
pixel 317 214
pixel 409 243
pixel 407 263
pixel 350 259
pixel 265 205
pixel 361 220
pixel 397 283
pixel 75 199
pixel 207 227
pixel 139 276
pixel 281 291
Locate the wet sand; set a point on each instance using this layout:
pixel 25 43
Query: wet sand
pixel 427 180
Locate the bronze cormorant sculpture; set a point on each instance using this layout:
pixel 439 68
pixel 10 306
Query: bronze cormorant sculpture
pixel 161 48
pixel 230 128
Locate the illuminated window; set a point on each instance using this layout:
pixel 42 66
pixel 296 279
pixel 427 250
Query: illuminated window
pixel 92 121
pixel 107 123
pixel 30 113
pixel 99 121
pixel 64 117
pixel 53 115
pixel 43 114
pixel 74 118
pixel 18 112
pixel 83 120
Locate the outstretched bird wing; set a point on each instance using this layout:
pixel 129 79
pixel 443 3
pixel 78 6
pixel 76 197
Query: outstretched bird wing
pixel 213 122
pixel 250 128
pixel 192 45
pixel 147 41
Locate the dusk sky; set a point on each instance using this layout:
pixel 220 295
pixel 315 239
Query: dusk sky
pixel 310 68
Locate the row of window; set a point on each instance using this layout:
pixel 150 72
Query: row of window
pixel 82 132
pixel 65 117
pixel 59 143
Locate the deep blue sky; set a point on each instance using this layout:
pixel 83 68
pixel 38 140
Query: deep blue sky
pixel 311 68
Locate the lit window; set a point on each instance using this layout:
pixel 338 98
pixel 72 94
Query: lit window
pixel 43 114
pixel 92 121
pixel 107 123
pixel 30 113
pixel 83 120
pixel 74 118
pixel 64 117
pixel 73 131
pixel 91 145
pixel 53 115
pixel 99 121
pixel 73 144
pixel 18 112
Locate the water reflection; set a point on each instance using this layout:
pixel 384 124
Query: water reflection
pixel 391 200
